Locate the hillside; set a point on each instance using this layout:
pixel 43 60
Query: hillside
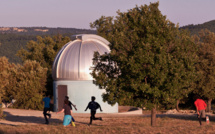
pixel 14 38
pixel 194 29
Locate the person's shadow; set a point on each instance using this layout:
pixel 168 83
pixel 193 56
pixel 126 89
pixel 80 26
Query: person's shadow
pixel 28 119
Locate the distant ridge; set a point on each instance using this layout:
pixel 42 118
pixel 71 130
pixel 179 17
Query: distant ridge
pixel 13 38
pixel 194 29
pixel 44 31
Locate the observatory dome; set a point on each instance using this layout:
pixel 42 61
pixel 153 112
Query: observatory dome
pixel 74 60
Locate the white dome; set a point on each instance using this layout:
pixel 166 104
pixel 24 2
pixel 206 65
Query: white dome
pixel 74 60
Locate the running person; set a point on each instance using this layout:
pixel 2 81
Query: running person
pixel 67 113
pixel 200 109
pixel 46 101
pixel 71 104
pixel 93 106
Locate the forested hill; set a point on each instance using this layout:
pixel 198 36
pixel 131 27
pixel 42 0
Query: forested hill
pixel 14 38
pixel 194 29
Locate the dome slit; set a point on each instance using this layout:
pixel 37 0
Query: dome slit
pixel 79 58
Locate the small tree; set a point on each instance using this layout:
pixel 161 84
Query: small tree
pixel 30 86
pixel 144 65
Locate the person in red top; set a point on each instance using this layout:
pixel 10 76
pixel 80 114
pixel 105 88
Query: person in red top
pixel 200 109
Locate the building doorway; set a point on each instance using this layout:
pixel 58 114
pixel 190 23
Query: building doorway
pixel 62 92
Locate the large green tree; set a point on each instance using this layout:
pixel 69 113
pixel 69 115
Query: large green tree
pixel 206 65
pixel 44 51
pixel 144 66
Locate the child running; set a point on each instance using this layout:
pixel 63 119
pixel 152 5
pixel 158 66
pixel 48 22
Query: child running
pixel 70 105
pixel 93 106
pixel 67 113
pixel 46 108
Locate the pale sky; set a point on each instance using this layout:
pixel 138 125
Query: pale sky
pixel 79 13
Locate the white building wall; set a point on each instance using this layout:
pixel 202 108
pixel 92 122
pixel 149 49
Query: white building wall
pixel 80 93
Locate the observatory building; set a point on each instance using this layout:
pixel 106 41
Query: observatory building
pixel 71 73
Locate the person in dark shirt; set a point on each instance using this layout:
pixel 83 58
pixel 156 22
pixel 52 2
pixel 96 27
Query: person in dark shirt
pixel 46 101
pixel 67 113
pixel 93 106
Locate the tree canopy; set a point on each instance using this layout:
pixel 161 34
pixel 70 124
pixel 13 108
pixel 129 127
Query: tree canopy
pixel 25 84
pixel 151 61
pixel 30 87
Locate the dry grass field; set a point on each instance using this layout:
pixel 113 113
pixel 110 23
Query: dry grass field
pixel 18 122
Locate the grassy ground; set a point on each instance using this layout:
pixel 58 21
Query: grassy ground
pixel 120 125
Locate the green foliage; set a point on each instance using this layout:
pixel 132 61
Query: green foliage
pixel 12 82
pixel 30 85
pixel 25 84
pixel 44 51
pixel 206 65
pixel 151 61
pixel 11 43
pixel 4 79
pixel 182 73
pixel 4 75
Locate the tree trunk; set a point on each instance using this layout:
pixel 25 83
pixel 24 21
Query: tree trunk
pixel 177 103
pixel 209 105
pixel 153 116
